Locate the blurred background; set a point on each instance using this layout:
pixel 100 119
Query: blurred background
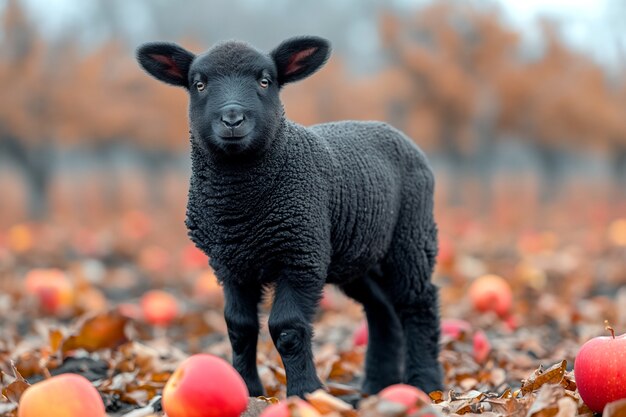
pixel 522 101
pixel 521 107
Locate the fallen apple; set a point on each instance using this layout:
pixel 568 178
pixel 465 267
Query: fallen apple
pixel 159 307
pixel 491 293
pixel 412 398
pixel 52 288
pixel 66 395
pixel 205 386
pixel 600 370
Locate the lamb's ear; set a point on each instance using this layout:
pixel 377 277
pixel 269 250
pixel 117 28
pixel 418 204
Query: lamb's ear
pixel 297 58
pixel 165 61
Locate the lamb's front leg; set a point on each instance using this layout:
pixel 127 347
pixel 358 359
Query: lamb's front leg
pixel 242 320
pixel 295 301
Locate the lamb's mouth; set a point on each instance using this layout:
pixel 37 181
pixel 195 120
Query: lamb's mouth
pixel 233 137
pixel 235 133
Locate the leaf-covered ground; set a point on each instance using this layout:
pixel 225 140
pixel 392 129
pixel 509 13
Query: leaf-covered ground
pixel 568 276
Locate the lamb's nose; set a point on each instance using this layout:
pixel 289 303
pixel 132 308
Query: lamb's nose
pixel 232 116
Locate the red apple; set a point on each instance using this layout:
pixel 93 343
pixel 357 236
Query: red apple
pixel 491 293
pixel 66 395
pixel 159 308
pixel 205 386
pixel 600 371
pixel 361 334
pixel 53 289
pixel 289 408
pixel 412 398
pixel 455 328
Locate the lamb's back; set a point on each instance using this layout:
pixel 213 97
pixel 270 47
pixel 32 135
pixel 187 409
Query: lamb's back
pixel 371 141
pixel 372 163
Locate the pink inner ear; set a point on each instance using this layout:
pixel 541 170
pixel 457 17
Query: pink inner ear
pixel 295 61
pixel 171 69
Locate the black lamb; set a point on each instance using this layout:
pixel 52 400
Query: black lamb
pixel 273 203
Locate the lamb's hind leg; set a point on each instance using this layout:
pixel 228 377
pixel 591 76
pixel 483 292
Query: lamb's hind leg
pixel 410 263
pixel 384 351
pixel 420 323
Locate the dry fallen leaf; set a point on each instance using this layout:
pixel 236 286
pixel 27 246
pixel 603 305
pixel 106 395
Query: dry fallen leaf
pixel 615 409
pixel 546 403
pixel 15 389
pixel 326 403
pixel 552 375
pixel 103 331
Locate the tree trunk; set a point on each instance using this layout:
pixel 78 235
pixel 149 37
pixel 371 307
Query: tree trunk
pixel 36 163
pixel 618 169
pixel 550 162
pixel 457 162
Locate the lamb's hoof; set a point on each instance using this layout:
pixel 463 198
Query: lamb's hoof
pixel 428 380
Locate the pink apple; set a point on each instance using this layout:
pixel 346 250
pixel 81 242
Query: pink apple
pixel 412 398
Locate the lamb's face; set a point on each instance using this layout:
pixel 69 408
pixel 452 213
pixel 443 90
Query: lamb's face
pixel 234 104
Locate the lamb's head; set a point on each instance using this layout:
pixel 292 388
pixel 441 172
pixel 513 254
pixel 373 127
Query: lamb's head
pixel 234 103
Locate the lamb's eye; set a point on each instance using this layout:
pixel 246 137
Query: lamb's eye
pixel 200 86
pixel 264 82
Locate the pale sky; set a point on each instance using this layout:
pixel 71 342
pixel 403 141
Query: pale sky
pixel 586 24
